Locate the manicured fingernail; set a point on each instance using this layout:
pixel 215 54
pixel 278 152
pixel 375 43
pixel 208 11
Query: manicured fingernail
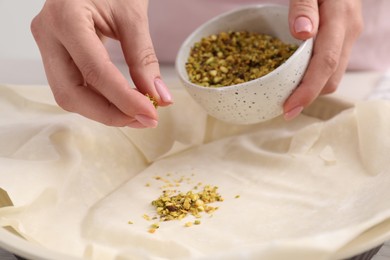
pixel 162 90
pixel 303 24
pixel 293 113
pixel 146 121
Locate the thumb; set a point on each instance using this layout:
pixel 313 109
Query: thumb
pixel 303 18
pixel 140 56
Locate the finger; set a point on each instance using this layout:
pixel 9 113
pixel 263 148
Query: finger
pixel 355 28
pixel 303 18
pixel 333 82
pixel 325 61
pixel 140 56
pixel 92 59
pixel 70 92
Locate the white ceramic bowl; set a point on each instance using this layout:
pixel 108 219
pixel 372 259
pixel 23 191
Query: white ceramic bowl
pixel 256 100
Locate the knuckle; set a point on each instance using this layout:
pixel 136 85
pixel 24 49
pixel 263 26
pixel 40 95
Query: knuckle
pixel 330 87
pixel 47 18
pixel 305 5
pixel 91 73
pixel 35 27
pixel 64 100
pixel 330 61
pixel 148 57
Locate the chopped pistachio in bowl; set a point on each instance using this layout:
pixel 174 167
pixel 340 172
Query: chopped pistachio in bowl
pixel 235 93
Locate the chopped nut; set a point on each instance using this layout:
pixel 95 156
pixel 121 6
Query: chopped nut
pixel 223 69
pixel 188 224
pixel 152 230
pixel 213 73
pixel 146 217
pixel 153 100
pixel 155 225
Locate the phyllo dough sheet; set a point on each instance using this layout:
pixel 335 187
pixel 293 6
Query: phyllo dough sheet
pixel 310 188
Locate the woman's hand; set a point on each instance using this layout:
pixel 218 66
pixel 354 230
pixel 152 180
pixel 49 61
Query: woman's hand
pixel 79 70
pixel 335 26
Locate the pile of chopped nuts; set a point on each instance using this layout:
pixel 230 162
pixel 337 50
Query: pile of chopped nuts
pixel 178 206
pixel 230 58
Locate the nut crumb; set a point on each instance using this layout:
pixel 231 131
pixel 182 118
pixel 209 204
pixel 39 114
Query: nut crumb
pixel 153 100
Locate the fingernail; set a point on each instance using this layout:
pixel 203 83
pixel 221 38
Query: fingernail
pixel 146 121
pixel 303 24
pixel 162 90
pixel 293 113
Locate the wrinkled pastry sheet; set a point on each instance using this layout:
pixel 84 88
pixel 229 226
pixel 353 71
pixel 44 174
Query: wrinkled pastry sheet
pixel 307 188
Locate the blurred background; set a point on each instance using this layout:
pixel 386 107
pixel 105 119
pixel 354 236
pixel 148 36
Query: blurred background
pixel 20 60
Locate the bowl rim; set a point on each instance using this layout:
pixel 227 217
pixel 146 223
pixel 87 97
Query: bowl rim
pixel 304 44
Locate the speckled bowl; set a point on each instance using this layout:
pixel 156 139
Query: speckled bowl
pixel 260 99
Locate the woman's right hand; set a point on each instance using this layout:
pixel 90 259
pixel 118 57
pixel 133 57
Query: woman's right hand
pixel 79 70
